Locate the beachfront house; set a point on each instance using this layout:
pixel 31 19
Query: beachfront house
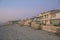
pixel 51 17
pixel 28 21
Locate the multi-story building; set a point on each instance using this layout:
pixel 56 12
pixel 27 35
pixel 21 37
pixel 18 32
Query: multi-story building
pixel 51 17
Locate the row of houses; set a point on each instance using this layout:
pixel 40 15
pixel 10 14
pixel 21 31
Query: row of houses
pixel 51 17
pixel 49 21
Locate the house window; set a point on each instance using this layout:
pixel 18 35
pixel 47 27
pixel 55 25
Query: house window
pixel 46 16
pixel 53 15
pixel 42 17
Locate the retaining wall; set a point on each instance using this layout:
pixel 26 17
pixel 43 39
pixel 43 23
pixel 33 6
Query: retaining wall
pixel 50 28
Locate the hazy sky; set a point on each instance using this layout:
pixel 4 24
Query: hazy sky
pixel 20 9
